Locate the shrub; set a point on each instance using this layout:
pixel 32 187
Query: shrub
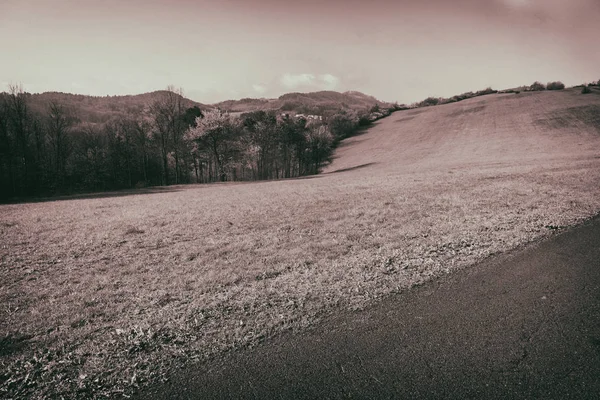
pixel 537 86
pixel 586 89
pixel 488 90
pixel 450 100
pixel 363 119
pixel 430 101
pixel 343 124
pixel 464 96
pixel 398 107
pixel 558 85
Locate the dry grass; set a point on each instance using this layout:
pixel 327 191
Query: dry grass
pixel 101 295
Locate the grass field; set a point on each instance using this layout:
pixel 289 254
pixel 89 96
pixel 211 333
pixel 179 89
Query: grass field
pixel 100 295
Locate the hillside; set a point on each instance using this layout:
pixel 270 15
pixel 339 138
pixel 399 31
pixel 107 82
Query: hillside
pixel 495 131
pixel 107 293
pixel 123 142
pixel 321 103
pixel 96 109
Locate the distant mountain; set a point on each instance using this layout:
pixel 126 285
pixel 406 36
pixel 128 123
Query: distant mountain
pixel 321 103
pixel 98 109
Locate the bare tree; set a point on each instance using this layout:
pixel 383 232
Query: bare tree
pixel 142 130
pixel 262 138
pixel 6 159
pixel 169 128
pixel 18 124
pixel 59 125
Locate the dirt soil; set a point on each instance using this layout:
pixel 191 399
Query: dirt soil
pixel 524 325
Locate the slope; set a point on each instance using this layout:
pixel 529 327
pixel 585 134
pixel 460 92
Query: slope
pixel 107 293
pixel 494 131
pixel 495 331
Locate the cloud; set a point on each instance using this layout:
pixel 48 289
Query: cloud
pixel 259 88
pixel 310 81
pixel 330 81
pixel 292 81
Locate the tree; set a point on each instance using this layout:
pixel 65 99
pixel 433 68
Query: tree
pixel 343 124
pixel 319 142
pixel 261 136
pixel 189 118
pixel 216 132
pixel 430 101
pixel 120 134
pixel 537 86
pixel 292 133
pixel 555 85
pixel 169 128
pixel 7 174
pixel 40 158
pixel 59 126
pixel 91 159
pixel 143 134
pixel 18 119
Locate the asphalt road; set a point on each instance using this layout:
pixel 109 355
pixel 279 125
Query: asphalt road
pixel 524 325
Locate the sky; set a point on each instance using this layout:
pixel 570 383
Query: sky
pixel 403 50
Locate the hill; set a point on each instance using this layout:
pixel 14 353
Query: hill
pixel 98 109
pixel 109 292
pixel 320 103
pixel 493 131
pixel 105 143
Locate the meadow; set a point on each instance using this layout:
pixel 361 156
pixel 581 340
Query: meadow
pixel 103 294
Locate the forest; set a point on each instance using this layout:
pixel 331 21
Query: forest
pixel 49 148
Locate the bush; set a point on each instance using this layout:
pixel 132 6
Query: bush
pixel 343 124
pixel 586 89
pixel 537 86
pixel 464 96
pixel 363 119
pixel 430 101
pixel 558 85
pixel 399 107
pixel 488 90
pixel 450 100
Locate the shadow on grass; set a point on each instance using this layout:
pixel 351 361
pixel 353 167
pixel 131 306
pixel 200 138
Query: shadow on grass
pixel 13 344
pixel 346 143
pixel 95 195
pixel 352 168
pixel 342 142
pixel 404 119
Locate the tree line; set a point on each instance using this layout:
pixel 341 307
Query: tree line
pixel 51 152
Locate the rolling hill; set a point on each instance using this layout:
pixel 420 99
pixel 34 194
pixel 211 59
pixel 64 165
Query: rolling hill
pixel 495 131
pixel 95 109
pixel 321 103
pixel 107 293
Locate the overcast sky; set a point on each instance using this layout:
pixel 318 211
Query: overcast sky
pixel 401 50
